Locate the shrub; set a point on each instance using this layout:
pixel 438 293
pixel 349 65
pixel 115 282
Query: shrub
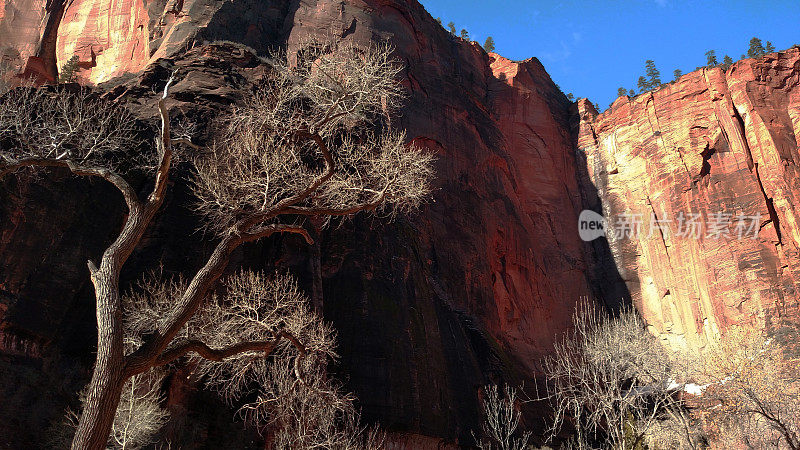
pixel 500 421
pixel 610 380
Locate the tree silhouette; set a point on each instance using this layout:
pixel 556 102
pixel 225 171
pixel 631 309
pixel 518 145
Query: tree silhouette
pixel 439 20
pixel 677 74
pixel 711 58
pixel 464 34
pixel 653 75
pixel 452 27
pixel 621 92
pixel 756 50
pixel 727 62
pixel 489 44
pixel 303 146
pixel 769 48
pixel 642 85
pixel 632 93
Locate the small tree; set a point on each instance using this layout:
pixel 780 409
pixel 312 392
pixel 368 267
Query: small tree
pixel 653 75
pixel 769 48
pixel 302 147
pixel 439 20
pixel 621 92
pixel 501 417
pixel 139 414
pixel 464 34
pixel 631 93
pixel 677 74
pixel 69 71
pixel 488 45
pixel 727 62
pixel 711 59
pixel 642 85
pixel 312 414
pixel 452 27
pixel 756 49
pixel 570 97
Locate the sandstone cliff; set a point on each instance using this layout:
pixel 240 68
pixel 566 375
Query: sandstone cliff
pixel 474 288
pixel 721 145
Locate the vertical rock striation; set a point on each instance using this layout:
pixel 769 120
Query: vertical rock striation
pixel 721 145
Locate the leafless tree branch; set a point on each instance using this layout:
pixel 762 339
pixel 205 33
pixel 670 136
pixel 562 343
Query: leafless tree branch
pixel 216 355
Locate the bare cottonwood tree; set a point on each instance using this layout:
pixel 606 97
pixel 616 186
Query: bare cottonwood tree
pixel 611 380
pixel 298 404
pixel 501 417
pixel 305 146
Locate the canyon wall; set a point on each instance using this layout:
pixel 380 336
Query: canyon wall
pixel 706 167
pixel 474 288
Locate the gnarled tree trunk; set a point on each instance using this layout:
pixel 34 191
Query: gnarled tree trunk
pixel 108 378
pixel 109 375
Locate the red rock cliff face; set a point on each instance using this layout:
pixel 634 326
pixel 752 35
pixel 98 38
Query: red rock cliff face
pixel 111 37
pixel 473 288
pixel 20 30
pixel 711 143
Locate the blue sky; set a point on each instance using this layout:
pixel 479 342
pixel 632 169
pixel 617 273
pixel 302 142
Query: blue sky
pixel 591 48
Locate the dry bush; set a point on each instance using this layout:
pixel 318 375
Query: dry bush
pixel 139 414
pixel 311 412
pixel 501 416
pixel 610 380
pixel 677 430
pixel 751 395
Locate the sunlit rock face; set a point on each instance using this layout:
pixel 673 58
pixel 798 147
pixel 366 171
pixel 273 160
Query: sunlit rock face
pixel 112 38
pixel 723 145
pixel 20 27
pixel 109 37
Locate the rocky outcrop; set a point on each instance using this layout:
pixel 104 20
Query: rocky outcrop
pixel 715 148
pixel 473 288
